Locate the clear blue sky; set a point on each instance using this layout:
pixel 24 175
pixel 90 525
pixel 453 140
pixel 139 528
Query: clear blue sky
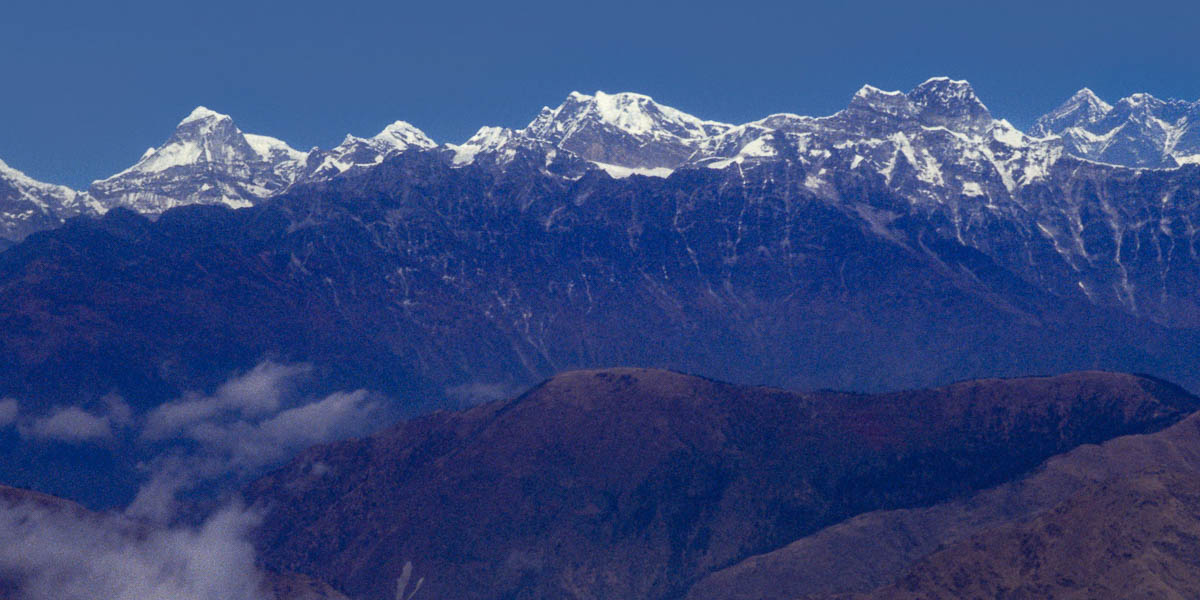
pixel 87 86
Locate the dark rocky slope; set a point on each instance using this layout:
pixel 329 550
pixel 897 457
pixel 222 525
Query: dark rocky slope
pixel 417 277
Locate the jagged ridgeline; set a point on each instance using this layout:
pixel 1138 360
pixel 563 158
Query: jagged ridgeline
pixel 909 239
pixel 209 160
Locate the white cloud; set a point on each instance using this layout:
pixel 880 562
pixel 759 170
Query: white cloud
pixel 71 424
pixel 249 444
pixel 252 421
pixel 60 554
pixel 478 392
pixel 258 392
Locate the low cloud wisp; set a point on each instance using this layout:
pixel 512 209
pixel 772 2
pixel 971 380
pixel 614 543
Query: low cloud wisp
pixel 55 550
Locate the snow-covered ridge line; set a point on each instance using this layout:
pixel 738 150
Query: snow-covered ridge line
pixel 937 128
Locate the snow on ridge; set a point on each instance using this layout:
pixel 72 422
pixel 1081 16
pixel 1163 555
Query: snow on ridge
pixel 19 177
pixel 870 90
pixel 487 139
pixel 659 129
pixel 619 172
pixel 269 148
pixel 943 78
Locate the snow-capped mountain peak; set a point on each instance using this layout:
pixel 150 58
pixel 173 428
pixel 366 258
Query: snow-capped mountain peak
pixel 630 113
pixel 364 152
pixel 488 140
pixel 1140 100
pixel 206 159
pixel 1085 95
pixel 206 136
pixel 625 130
pixel 402 135
pixel 1081 109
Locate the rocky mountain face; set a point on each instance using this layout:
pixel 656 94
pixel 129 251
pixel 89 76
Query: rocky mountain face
pixel 908 240
pixel 1030 203
pixel 418 277
pixel 638 483
pixel 1047 208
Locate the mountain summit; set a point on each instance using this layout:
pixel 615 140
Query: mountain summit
pixel 621 133
pixel 935 142
pixel 365 152
pixel 206 160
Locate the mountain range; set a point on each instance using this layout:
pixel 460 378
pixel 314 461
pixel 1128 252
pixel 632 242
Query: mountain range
pixel 180 329
pixel 909 240
pixel 209 160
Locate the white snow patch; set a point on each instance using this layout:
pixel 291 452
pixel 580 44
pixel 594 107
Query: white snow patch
pixel 1005 133
pixel 971 188
pixel 619 172
pixel 487 139
pixel 270 149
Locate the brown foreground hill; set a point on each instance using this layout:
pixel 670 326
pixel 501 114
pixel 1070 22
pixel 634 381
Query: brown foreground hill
pixel 1136 537
pixel 1116 520
pixel 639 483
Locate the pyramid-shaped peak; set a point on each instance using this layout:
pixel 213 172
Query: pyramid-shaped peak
pixel 1082 109
pixel 1085 94
pixel 202 113
pixel 1085 97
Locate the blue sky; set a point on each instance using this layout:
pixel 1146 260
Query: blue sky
pixel 89 85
